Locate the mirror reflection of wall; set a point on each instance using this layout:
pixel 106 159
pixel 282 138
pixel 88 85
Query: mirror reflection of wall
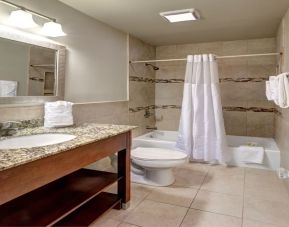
pixel 26 70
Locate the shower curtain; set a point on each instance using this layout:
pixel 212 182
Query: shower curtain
pixel 201 131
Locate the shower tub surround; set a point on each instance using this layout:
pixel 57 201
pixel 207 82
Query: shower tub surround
pixel 167 140
pixel 141 88
pixel 242 83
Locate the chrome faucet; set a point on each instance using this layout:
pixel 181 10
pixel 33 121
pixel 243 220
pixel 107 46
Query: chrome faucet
pixel 9 128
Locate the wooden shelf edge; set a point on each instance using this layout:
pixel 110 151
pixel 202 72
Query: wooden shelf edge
pixel 89 212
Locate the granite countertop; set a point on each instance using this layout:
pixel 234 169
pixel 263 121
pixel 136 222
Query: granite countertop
pixel 85 134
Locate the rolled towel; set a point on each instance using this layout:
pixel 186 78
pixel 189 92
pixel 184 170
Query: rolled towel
pixel 58 114
pixel 8 88
pixel 251 154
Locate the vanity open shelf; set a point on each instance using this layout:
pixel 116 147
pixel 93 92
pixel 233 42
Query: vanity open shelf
pixel 50 203
pixel 57 191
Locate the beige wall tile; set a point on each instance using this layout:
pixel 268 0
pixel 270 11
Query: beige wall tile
pixel 235 123
pixel 109 113
pixel 16 113
pixel 281 136
pixel 235 47
pixel 164 52
pixel 141 94
pixel 168 119
pixel 233 71
pixel 169 93
pixel 260 124
pixel 266 45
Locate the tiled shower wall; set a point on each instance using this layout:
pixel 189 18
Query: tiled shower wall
pixel 282 117
pixel 246 110
pixel 141 87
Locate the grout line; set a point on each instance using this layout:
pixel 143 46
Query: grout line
pixel 212 212
pixel 194 198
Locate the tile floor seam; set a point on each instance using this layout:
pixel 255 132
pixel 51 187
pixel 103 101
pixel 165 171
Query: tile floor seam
pixel 166 203
pixel 211 212
pixel 123 220
pixel 221 193
pixel 128 223
pixel 194 198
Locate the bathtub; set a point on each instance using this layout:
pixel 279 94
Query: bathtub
pixel 167 139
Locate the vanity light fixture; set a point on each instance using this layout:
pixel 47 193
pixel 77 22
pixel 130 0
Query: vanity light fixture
pixel 52 29
pixel 23 18
pixel 181 15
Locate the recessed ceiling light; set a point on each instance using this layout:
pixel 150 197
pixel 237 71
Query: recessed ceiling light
pixel 181 15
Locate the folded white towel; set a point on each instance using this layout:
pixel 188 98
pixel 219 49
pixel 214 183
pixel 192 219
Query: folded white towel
pixel 283 90
pixel 273 87
pixel 251 154
pixel 58 114
pixel 8 88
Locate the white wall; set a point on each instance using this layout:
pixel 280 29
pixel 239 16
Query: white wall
pixel 14 62
pixel 97 54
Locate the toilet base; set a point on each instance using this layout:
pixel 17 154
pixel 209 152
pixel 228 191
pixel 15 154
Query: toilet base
pixel 154 177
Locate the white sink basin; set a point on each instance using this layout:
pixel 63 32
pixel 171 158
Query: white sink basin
pixel 34 141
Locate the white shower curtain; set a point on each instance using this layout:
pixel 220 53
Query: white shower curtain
pixel 201 131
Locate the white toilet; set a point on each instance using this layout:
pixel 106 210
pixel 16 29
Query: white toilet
pixel 153 166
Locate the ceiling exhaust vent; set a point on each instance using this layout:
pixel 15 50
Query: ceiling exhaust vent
pixel 181 15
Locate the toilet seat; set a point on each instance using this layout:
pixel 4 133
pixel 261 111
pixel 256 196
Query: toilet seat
pixel 157 154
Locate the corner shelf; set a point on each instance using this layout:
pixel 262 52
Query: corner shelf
pixel 78 193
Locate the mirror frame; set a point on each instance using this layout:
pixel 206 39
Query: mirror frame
pixel 33 39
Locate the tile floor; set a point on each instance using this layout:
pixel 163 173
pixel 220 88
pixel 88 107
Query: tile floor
pixel 207 196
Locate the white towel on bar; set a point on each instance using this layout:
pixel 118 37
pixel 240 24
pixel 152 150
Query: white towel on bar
pixel 8 88
pixel 283 90
pixel 273 87
pixel 251 154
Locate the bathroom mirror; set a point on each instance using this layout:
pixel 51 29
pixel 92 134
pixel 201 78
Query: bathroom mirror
pixel 31 69
pixel 26 70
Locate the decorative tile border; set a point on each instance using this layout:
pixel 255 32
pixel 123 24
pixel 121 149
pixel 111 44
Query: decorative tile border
pixel 167 81
pixel 243 80
pixel 250 109
pixel 225 108
pixel 141 79
pixel 138 109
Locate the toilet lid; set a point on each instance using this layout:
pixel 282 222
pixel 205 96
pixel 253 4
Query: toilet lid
pixel 152 153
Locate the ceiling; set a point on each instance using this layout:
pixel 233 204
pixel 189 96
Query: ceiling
pixel 221 19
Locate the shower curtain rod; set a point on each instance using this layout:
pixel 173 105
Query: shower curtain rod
pixel 217 57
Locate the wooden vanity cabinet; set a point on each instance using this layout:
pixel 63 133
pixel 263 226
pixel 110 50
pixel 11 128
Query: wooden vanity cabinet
pixel 57 191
